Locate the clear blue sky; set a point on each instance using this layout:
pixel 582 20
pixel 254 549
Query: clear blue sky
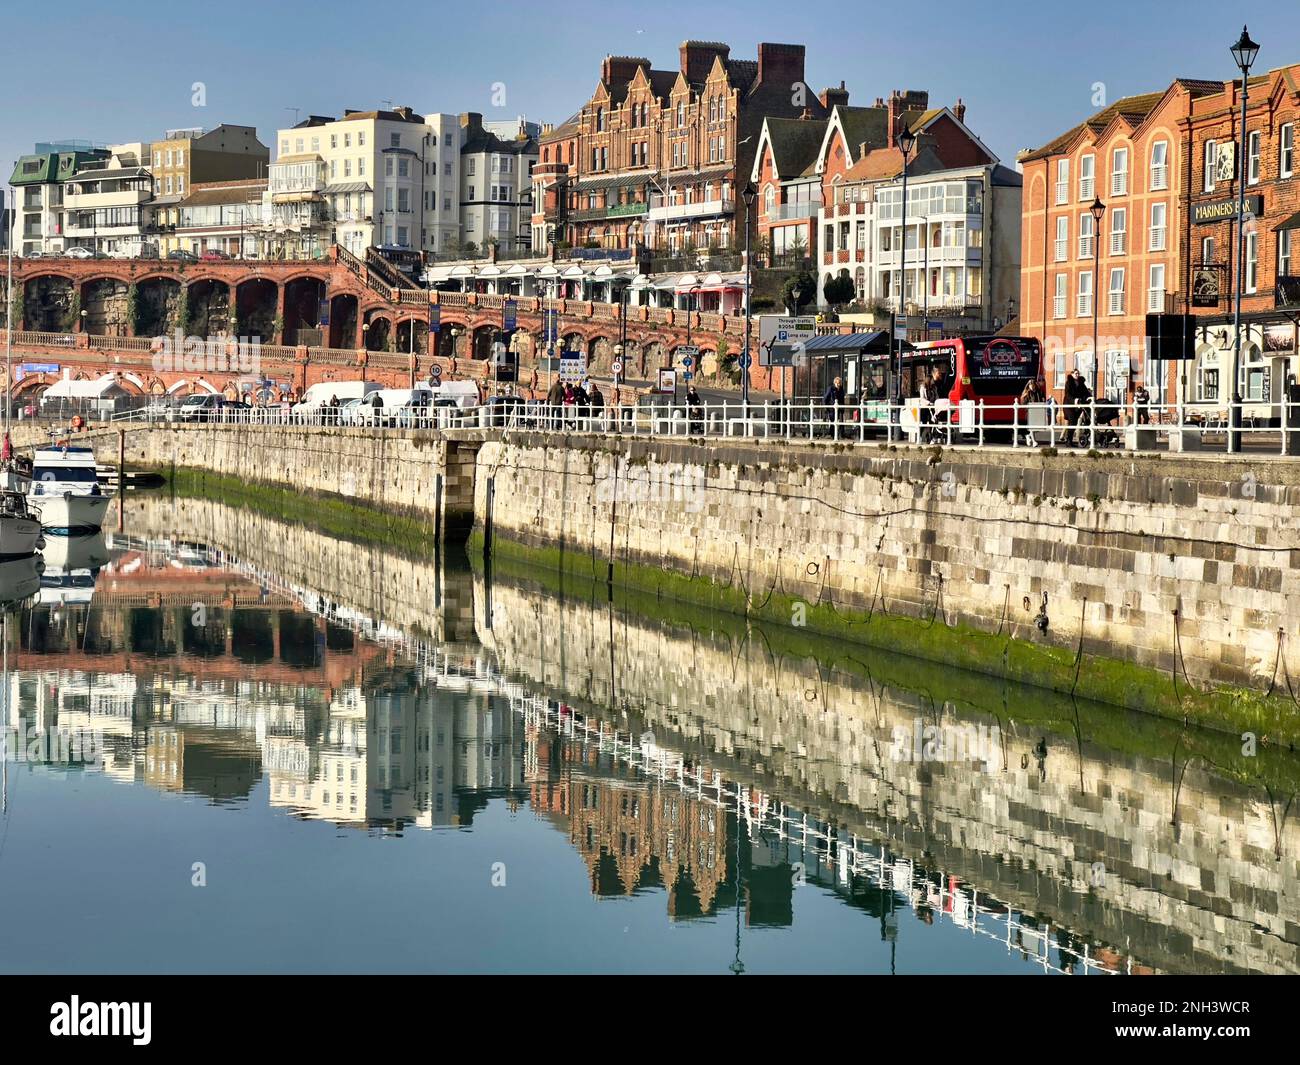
pixel 119 72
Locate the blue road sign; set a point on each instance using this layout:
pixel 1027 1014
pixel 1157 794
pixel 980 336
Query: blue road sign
pixel 687 376
pixel 687 362
pixel 744 361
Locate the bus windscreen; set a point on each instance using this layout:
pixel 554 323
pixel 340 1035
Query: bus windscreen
pixel 998 359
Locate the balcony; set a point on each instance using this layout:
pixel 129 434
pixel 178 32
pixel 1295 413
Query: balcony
pixel 1287 293
pixel 85 201
pixel 804 209
pixel 660 212
pixel 935 256
pixel 625 210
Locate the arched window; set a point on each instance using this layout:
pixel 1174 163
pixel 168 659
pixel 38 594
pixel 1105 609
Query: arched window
pixel 769 200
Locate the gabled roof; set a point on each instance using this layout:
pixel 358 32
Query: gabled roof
pixel 795 144
pixel 862 125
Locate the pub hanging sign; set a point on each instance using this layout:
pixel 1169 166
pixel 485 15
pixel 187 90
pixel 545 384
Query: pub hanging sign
pixel 1207 284
pixel 1225 210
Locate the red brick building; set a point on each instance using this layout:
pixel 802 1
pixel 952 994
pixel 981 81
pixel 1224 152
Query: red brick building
pixel 1166 167
pixel 657 158
pixel 1268 273
pixel 1132 156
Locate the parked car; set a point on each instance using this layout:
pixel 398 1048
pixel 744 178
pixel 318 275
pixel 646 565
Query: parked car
pixel 212 255
pixel 182 255
pixel 199 408
pixel 350 411
pixel 79 253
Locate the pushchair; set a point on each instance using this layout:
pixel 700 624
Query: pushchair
pixel 1104 434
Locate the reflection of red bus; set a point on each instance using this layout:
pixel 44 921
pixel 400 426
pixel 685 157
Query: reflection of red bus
pixel 994 369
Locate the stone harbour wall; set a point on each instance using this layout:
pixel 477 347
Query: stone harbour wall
pixel 1173 563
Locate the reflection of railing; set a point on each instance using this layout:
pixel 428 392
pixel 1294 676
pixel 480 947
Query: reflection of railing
pixel 824 850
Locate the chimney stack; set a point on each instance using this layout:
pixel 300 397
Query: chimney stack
pixel 960 110
pixel 834 97
pixel 780 64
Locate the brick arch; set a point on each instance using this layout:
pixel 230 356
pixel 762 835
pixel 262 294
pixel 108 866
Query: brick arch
pixel 380 329
pixel 299 275
pixel 34 381
pixel 48 301
pixel 481 345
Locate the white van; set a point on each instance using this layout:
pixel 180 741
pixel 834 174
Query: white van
pixel 318 395
pixel 464 393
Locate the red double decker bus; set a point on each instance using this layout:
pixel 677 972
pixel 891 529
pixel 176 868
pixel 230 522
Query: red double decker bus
pixel 994 369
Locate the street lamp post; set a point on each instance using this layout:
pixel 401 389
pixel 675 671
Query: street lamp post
pixel 1243 54
pixel 796 294
pixel 748 196
pixel 1097 210
pixel 906 141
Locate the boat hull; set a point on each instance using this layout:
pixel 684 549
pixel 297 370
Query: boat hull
pixel 20 536
pixel 69 513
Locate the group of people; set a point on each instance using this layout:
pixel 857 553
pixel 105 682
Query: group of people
pixel 573 405
pixel 1078 400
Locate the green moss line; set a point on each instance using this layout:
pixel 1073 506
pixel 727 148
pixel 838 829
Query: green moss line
pixel 1130 733
pixel 336 516
pixel 1274 719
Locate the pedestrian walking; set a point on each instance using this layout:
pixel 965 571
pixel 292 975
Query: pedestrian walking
pixel 694 410
pixel 832 400
pixel 1077 394
pixel 1142 404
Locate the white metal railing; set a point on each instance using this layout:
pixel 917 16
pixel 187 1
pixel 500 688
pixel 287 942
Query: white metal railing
pixel 1263 429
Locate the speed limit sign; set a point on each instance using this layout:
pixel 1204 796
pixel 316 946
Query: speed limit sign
pixel 617 366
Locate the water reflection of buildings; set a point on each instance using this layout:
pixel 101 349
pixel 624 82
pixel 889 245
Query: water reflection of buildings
pixel 359 722
pixel 201 680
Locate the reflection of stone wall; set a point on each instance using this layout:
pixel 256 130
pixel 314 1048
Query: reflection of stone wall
pixel 1118 543
pixel 411 595
pixel 1207 896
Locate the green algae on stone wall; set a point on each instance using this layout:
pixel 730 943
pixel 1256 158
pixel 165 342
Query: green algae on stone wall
pixel 1273 718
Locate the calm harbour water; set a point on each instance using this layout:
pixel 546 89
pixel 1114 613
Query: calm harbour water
pixel 320 756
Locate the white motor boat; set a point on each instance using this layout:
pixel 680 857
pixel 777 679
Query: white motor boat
pixel 65 487
pixel 20 524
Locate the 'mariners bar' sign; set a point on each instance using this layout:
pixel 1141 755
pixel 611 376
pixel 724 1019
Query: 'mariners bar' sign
pixel 1225 210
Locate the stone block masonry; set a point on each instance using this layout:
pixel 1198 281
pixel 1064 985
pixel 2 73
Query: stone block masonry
pixel 427 476
pixel 1189 568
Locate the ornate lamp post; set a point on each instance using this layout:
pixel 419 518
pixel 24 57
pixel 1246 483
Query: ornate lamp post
pixel 906 141
pixel 747 195
pixel 1096 210
pixel 1243 54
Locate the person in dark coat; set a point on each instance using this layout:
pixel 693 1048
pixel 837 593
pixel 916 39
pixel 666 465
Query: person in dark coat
pixel 833 399
pixel 1142 403
pixel 555 400
pixel 694 410
pixel 1077 394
